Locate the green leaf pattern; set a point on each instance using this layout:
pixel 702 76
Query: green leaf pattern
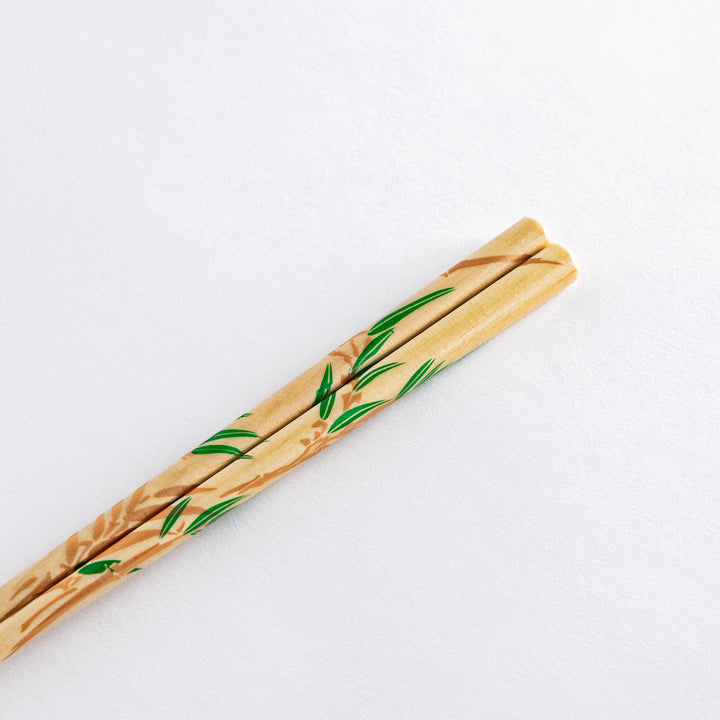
pixel 326 406
pixel 396 316
pixel 172 518
pixel 372 373
pixel 232 432
pixel 353 414
pixel 382 330
pixel 433 371
pixel 205 449
pixel 98 567
pixel 372 348
pixel 419 376
pixel 226 449
pixel 325 384
pixel 323 394
pixel 212 514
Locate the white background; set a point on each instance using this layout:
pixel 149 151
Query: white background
pixel 199 199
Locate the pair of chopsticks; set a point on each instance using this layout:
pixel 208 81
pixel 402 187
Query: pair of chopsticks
pixel 465 306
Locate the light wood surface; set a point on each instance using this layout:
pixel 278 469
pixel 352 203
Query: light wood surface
pixel 472 323
pixel 452 288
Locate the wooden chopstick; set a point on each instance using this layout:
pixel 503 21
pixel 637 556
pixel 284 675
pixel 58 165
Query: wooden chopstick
pixel 472 323
pixel 314 386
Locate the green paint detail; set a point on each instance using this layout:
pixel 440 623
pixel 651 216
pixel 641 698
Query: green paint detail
pixel 353 414
pixel 397 315
pixel 211 514
pixel 323 394
pixel 326 406
pixel 325 384
pixel 432 373
pixel 371 374
pixel 372 348
pixel 212 449
pixel 97 567
pixel 172 518
pixel 232 432
pixel 244 415
pixel 417 377
pixel 133 570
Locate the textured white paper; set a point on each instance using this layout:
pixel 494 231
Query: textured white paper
pixel 198 200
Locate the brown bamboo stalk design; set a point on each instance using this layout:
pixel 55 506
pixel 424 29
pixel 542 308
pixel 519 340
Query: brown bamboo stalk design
pixel 314 386
pixel 451 337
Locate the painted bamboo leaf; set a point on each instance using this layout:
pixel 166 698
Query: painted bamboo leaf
pixel 225 449
pixel 325 384
pixel 326 406
pixel 323 394
pixel 397 315
pixel 134 570
pixel 372 348
pixel 244 415
pixel 353 414
pixel 172 518
pixel 371 374
pixel 232 432
pixel 97 567
pixel 211 514
pixel 432 373
pixel 416 377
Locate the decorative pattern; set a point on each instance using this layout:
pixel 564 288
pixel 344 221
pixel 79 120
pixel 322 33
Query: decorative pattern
pixel 491 259
pixel 173 527
pixel 351 361
pixel 172 518
pixel 372 349
pixel 393 318
pixel 220 449
pixel 354 414
pixel 297 441
pixel 384 328
pixel 98 567
pixel 368 376
pixel 423 373
pixel 323 396
pixel 205 449
pixel 211 515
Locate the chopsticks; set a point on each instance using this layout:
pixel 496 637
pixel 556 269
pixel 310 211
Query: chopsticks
pixel 314 386
pixel 470 324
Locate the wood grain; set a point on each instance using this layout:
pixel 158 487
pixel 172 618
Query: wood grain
pixel 448 339
pixel 465 279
